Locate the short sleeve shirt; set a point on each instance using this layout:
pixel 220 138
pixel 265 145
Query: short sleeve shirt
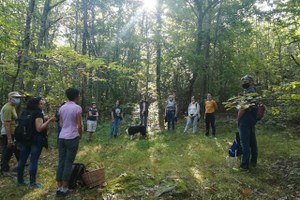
pixel 117 112
pixel 94 112
pixel 35 115
pixel 68 113
pixel 8 113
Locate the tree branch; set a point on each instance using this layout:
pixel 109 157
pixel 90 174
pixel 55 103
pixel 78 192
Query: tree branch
pixel 53 6
pixel 211 5
pixel 294 59
pixel 53 23
pixel 193 9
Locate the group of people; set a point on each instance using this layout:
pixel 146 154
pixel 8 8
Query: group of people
pixel 70 119
pixel 71 129
pixel 193 114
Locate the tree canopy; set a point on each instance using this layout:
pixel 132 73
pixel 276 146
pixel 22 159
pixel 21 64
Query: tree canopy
pixel 123 49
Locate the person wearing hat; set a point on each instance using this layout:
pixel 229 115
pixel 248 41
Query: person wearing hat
pixel 246 124
pixel 8 117
pixel 92 120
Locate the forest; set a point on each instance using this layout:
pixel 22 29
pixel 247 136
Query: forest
pixel 123 49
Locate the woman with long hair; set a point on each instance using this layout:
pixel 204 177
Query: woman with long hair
pixel 34 147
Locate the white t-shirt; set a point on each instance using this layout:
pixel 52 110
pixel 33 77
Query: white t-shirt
pixel 193 109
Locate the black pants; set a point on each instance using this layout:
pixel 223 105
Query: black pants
pixel 7 153
pixel 210 121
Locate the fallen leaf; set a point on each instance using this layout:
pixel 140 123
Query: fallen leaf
pixel 246 192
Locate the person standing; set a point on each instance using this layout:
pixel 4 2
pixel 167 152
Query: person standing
pixel 210 109
pixel 193 115
pixel 34 147
pixel 92 120
pixel 144 107
pixel 72 128
pixel 116 117
pixel 246 124
pixel 171 112
pixel 8 117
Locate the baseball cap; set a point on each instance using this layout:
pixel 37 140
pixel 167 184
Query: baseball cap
pixel 247 78
pixel 14 94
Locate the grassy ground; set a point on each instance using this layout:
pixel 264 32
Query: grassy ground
pixel 176 166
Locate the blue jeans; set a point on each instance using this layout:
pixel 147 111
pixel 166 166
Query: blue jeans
pixel 67 150
pixel 190 121
pixel 34 151
pixel 249 145
pixel 144 120
pixel 115 127
pixel 171 120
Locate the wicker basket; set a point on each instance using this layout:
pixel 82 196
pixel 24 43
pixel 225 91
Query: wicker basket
pixel 92 178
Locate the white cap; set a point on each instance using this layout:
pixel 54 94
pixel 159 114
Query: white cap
pixel 14 94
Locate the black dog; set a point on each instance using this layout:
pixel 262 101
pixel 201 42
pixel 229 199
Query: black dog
pixel 132 130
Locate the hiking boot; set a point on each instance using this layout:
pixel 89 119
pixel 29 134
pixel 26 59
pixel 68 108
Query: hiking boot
pixel 36 185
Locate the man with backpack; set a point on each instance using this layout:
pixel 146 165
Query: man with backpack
pixel 8 118
pixel 193 115
pixel 247 117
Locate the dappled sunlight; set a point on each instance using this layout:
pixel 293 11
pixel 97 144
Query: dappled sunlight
pixel 219 144
pixel 156 151
pixel 88 150
pixel 197 174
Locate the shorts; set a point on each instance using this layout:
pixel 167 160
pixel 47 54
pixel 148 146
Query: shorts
pixel 91 126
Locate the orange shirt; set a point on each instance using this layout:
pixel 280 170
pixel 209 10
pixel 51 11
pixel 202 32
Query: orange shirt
pixel 210 106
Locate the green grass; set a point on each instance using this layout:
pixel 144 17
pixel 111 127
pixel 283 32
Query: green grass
pixel 175 166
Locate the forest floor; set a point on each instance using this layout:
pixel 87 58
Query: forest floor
pixel 175 166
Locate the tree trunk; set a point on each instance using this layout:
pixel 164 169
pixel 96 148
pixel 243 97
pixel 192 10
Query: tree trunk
pixel 76 25
pixel 84 51
pixel 26 43
pixel 158 63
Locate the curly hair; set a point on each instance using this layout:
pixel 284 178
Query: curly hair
pixel 33 103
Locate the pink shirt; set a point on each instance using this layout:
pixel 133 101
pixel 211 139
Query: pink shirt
pixel 68 113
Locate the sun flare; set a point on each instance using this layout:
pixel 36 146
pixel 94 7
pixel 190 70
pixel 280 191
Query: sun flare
pixel 149 4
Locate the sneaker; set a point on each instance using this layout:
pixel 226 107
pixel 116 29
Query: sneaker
pixel 60 193
pixel 243 170
pixel 36 185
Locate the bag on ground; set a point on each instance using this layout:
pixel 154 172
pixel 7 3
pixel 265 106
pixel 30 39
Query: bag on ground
pixel 235 149
pixel 76 175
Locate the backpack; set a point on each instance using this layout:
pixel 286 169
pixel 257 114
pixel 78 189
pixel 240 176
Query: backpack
pixel 260 111
pixel 76 172
pixel 25 128
pixel 235 149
